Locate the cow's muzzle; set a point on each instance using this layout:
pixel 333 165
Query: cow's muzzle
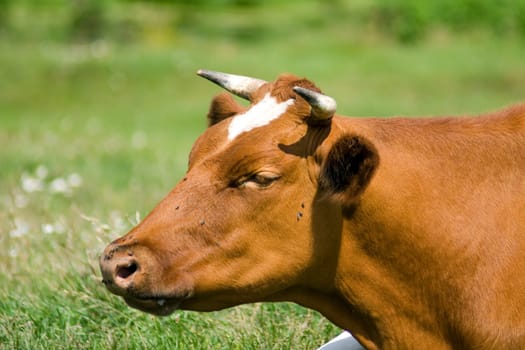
pixel 123 274
pixel 119 269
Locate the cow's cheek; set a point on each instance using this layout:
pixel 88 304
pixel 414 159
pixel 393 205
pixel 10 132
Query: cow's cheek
pixel 251 259
pixel 248 246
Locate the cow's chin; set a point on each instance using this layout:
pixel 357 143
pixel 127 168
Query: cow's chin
pixel 155 306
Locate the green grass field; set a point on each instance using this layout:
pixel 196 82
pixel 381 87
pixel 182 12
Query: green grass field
pixel 93 135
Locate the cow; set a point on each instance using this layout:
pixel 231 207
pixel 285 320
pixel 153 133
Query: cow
pixel 407 232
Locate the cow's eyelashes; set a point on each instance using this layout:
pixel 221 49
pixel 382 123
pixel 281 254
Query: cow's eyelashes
pixel 263 179
pixel 257 180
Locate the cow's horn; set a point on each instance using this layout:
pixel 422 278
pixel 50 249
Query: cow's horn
pixel 236 84
pixel 323 107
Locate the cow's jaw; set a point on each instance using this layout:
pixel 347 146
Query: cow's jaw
pixel 156 306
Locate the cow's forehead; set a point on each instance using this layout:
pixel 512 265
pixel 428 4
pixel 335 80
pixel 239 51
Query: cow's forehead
pixel 259 114
pixel 275 102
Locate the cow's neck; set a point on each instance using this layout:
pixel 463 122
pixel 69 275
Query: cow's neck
pixel 383 309
pixel 371 298
pixel 404 268
pixel 384 305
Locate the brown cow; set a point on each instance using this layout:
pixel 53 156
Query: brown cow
pixel 409 233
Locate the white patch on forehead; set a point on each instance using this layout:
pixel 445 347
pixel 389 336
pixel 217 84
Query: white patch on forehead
pixel 258 115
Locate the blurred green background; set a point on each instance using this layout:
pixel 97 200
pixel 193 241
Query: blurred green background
pixel 100 104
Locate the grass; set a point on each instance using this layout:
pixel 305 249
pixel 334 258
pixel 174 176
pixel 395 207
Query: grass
pixel 93 135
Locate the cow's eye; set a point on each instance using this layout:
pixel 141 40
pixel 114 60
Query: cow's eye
pixel 259 180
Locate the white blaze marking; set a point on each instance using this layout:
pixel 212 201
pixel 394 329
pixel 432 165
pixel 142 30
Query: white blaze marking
pixel 259 115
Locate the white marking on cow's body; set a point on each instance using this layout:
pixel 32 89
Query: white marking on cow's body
pixel 258 115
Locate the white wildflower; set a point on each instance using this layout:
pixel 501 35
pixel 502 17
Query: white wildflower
pixel 48 229
pixel 13 252
pixel 41 172
pixel 31 184
pixel 59 185
pixel 74 180
pixel 59 227
pixel 21 228
pixel 20 200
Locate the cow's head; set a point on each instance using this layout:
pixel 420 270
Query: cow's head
pixel 258 215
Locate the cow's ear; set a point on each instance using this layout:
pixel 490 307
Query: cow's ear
pixel 223 106
pixel 348 168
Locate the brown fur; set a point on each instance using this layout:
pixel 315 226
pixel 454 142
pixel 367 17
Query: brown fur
pixel 223 106
pixel 410 233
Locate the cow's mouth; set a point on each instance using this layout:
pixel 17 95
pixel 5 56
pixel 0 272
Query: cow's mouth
pixel 158 306
pixel 135 275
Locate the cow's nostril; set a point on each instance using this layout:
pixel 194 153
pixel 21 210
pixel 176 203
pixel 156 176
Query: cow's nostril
pixel 126 271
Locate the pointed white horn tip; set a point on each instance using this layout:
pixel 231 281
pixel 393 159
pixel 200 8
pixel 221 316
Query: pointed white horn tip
pixel 323 106
pixel 210 75
pixel 202 73
pixel 239 85
pixel 215 77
